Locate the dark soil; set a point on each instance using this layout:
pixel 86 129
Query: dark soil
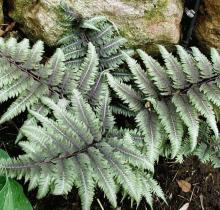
pixel 204 194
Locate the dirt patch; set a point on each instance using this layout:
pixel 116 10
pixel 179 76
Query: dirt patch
pixel 205 181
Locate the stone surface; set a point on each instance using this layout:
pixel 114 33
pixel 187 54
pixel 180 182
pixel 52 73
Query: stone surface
pixel 39 19
pixel 208 24
pixel 142 22
pixel 1 12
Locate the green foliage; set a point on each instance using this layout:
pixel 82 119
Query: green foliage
pixel 209 151
pixel 103 35
pixel 76 148
pixel 172 97
pixel 11 192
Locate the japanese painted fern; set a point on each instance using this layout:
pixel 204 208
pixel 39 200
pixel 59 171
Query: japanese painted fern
pixel 75 148
pixel 167 99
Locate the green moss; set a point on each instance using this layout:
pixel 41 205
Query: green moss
pixel 16 6
pixel 156 13
pixel 1 12
pixel 26 13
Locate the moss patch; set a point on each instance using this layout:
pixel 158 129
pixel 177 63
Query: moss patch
pixel 156 14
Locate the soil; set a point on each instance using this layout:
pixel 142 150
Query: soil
pixel 205 181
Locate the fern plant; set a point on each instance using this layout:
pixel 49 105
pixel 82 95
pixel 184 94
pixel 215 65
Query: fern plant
pixel 104 35
pixel 77 146
pixel 170 98
pixel 24 76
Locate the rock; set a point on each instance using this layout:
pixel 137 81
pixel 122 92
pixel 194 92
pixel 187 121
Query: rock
pixel 1 12
pixel 208 25
pixel 39 19
pixel 142 22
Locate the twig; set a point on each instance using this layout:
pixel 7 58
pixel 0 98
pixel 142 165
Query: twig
pixel 201 201
pixel 99 202
pixel 192 194
pixel 175 176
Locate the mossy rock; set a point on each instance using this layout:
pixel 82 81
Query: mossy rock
pixel 39 19
pixel 1 12
pixel 143 22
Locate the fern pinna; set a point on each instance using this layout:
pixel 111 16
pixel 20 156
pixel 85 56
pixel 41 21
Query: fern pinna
pixel 75 147
pixel 207 149
pixel 23 75
pixel 173 96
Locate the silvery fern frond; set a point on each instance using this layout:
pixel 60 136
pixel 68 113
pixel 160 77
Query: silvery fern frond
pixel 177 94
pixel 79 147
pixel 25 78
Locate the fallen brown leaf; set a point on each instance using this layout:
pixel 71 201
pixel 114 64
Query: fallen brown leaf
pixel 184 185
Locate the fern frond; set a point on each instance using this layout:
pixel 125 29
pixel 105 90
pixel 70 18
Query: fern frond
pixel 24 101
pixel 84 112
pixel 149 124
pixel 205 66
pixel 56 68
pixel 26 79
pixel 189 65
pixel 215 60
pixel 172 124
pixel 157 73
pixel 104 36
pixel 140 77
pixel 204 107
pixel 65 150
pixel 174 69
pixel 112 47
pixel 189 116
pixel 208 148
pixel 104 111
pixel 93 22
pixel 212 93
pixel 179 93
pixel 121 109
pixel 34 55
